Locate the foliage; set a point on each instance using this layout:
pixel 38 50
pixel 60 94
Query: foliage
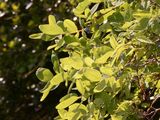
pixel 112 68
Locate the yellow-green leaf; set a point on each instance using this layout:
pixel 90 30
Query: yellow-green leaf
pixel 107 70
pixel 104 58
pixel 44 74
pixel 44 95
pixel 46 92
pixel 67 102
pixel 77 62
pixel 79 86
pixel 52 20
pixel 92 74
pixel 113 42
pixel 51 29
pixel 70 25
pixel 36 36
pixel 62 113
pixel 66 63
pixel 88 61
pixel 100 86
pixel 58 78
pixel 81 7
pixel 96 1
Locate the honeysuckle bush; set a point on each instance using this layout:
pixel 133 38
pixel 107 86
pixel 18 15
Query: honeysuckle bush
pixel 113 66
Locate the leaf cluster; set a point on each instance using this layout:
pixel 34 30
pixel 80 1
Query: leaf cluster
pixel 112 71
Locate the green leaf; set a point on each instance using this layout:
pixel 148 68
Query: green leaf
pixel 100 86
pixel 104 58
pixel 74 115
pixel 67 96
pixel 118 51
pixel 44 95
pixel 70 25
pixel 81 7
pixel 144 39
pixel 107 70
pixel 62 113
pixel 142 14
pixel 92 74
pixel 46 37
pixel 94 8
pixel 36 36
pixel 69 39
pixel 105 17
pixel 96 1
pixel 55 62
pixel 66 63
pixel 77 62
pixel 116 117
pixel 158 84
pixel 126 25
pixel 46 91
pixel 67 102
pixel 52 28
pixel 51 20
pixel 79 106
pixel 113 42
pixel 88 61
pixel 44 74
pixel 80 87
pixel 58 78
pixel 59 44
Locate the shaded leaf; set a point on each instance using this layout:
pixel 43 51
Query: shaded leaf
pixel 44 74
pixel 36 36
pixel 100 86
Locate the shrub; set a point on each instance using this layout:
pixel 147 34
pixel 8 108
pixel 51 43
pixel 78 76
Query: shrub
pixel 112 69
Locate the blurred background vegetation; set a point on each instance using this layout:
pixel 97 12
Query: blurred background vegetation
pixel 21 56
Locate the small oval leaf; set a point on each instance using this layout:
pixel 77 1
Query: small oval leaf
pixel 70 25
pixel 92 74
pixel 67 102
pixel 44 74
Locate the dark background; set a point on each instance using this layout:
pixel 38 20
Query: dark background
pixel 21 56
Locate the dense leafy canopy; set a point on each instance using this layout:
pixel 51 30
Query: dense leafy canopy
pixel 112 69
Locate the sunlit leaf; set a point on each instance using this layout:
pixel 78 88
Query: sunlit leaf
pixel 58 78
pixel 96 1
pixel 113 42
pixel 92 74
pixel 79 86
pixel 81 7
pixel 51 20
pixel 88 61
pixel 67 102
pixel 46 91
pixel 104 58
pixel 70 25
pixel 50 29
pixel 107 70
